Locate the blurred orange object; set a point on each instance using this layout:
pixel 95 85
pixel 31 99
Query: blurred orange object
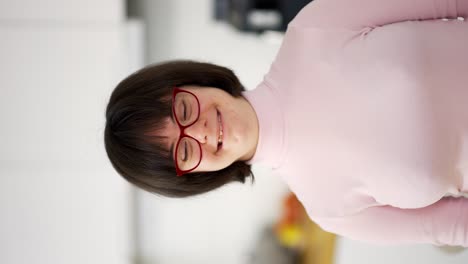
pixel 289 229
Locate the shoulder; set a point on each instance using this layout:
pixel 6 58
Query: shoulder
pixel 319 14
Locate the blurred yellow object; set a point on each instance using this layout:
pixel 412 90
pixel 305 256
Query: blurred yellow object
pixel 290 235
pixel 295 230
pixel 319 245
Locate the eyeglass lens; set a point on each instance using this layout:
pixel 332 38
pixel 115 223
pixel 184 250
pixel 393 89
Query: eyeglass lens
pixel 188 151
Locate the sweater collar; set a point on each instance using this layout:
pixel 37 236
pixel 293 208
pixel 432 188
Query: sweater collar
pixel 271 140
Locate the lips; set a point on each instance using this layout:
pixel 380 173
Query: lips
pixel 220 131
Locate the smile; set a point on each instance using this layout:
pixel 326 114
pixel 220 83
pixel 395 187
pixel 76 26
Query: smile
pixel 220 135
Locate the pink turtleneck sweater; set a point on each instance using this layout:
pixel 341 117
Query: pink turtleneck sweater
pixel 364 113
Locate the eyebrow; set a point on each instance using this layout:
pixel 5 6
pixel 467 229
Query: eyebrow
pixel 172 116
pixel 172 150
pixel 172 144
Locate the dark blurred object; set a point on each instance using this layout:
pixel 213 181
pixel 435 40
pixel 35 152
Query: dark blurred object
pixel 282 242
pixel 269 250
pixel 258 15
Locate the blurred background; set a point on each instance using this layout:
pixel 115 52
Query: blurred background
pixel 61 201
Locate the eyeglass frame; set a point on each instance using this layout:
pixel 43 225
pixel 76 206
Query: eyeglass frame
pixel 182 128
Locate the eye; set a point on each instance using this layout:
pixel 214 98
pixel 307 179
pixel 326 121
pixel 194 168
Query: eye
pixel 185 152
pixel 184 110
pixel 188 154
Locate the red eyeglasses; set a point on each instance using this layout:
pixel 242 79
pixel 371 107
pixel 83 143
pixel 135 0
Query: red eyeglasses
pixel 186 111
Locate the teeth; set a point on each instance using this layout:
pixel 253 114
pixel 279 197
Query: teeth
pixel 220 137
pixel 220 140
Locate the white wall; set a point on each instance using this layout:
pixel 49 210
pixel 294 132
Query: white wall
pixel 60 201
pixel 221 227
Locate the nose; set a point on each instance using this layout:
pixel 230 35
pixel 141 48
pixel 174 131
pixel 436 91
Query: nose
pixel 199 131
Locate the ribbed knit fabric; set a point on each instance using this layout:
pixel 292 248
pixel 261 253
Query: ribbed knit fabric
pixel 364 113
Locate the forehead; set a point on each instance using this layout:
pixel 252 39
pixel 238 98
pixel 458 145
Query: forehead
pixel 201 91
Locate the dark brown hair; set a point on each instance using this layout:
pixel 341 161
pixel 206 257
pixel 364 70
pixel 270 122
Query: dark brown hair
pixel 139 104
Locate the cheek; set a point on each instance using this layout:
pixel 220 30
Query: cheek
pixel 237 124
pixel 204 107
pixel 213 100
pixel 213 162
pixel 210 163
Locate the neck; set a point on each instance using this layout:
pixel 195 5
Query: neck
pixel 254 124
pixel 267 107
